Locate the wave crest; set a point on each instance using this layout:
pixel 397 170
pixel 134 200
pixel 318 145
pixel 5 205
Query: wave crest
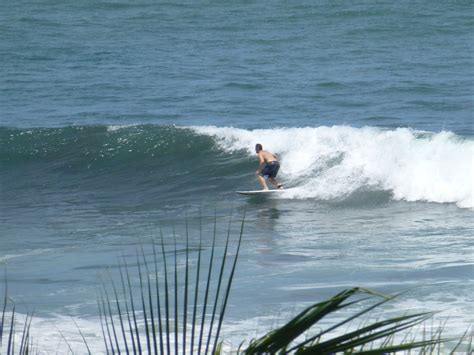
pixel 334 162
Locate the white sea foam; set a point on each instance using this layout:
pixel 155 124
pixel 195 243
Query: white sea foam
pixel 113 128
pixel 7 257
pixel 62 334
pixel 334 162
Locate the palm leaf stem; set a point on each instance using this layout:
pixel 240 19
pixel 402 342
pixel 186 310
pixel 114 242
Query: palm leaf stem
pixel 130 328
pixel 142 296
pixel 26 328
pixel 176 341
pixel 3 311
pixel 283 336
pixel 458 344
pixel 353 339
pixel 400 347
pixel 196 287
pixel 166 295
pixel 186 281
pixel 132 304
pixel 104 309
pixel 229 284
pixel 347 320
pixel 82 336
pixel 150 304
pixel 219 283
pixel 112 322
pixel 101 316
pixel 119 311
pixel 158 301
pixel 201 334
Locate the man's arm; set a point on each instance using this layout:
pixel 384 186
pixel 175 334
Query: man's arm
pixel 261 164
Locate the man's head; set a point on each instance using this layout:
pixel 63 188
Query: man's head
pixel 258 147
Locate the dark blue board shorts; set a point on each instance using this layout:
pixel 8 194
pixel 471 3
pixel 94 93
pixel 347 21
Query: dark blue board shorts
pixel 270 170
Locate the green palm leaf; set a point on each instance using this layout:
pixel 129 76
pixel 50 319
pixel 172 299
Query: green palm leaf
pixel 150 308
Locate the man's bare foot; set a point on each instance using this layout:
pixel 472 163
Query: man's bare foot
pixel 280 186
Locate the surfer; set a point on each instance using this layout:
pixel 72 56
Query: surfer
pixel 268 167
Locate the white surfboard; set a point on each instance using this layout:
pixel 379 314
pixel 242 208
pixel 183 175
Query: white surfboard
pixel 258 192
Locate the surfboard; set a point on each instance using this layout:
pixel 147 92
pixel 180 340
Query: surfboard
pixel 258 192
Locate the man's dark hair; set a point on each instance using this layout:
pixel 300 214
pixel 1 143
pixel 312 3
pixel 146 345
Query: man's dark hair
pixel 258 147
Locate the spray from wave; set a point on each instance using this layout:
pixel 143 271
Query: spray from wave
pixel 335 162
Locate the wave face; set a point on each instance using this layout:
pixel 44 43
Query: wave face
pixel 95 146
pixel 328 163
pixel 135 154
pixel 335 162
pixel 117 164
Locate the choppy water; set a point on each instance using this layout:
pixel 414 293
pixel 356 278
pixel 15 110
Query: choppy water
pixel 118 118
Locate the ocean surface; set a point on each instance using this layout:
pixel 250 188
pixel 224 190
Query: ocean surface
pixel 120 118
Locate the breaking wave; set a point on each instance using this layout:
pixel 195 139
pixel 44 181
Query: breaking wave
pixel 327 163
pixel 334 162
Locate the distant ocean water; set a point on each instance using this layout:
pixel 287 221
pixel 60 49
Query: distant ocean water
pixel 117 118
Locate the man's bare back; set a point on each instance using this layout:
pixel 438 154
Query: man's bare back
pixel 266 157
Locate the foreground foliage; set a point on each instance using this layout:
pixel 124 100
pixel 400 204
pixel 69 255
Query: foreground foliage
pixel 163 306
pixel 191 321
pixel 8 332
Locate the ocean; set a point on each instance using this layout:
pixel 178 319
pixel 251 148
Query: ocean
pixel 118 119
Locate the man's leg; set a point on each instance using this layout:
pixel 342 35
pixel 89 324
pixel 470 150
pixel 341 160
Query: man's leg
pixel 262 182
pixel 275 183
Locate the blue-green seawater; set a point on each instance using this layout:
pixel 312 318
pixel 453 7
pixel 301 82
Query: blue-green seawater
pixel 120 118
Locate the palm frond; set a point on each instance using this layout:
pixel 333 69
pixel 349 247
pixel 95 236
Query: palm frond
pixel 375 338
pixel 163 326
pixel 8 331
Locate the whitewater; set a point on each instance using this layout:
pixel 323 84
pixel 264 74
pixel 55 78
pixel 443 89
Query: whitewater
pixel 334 162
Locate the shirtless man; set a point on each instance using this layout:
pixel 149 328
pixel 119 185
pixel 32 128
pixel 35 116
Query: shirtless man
pixel 268 167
